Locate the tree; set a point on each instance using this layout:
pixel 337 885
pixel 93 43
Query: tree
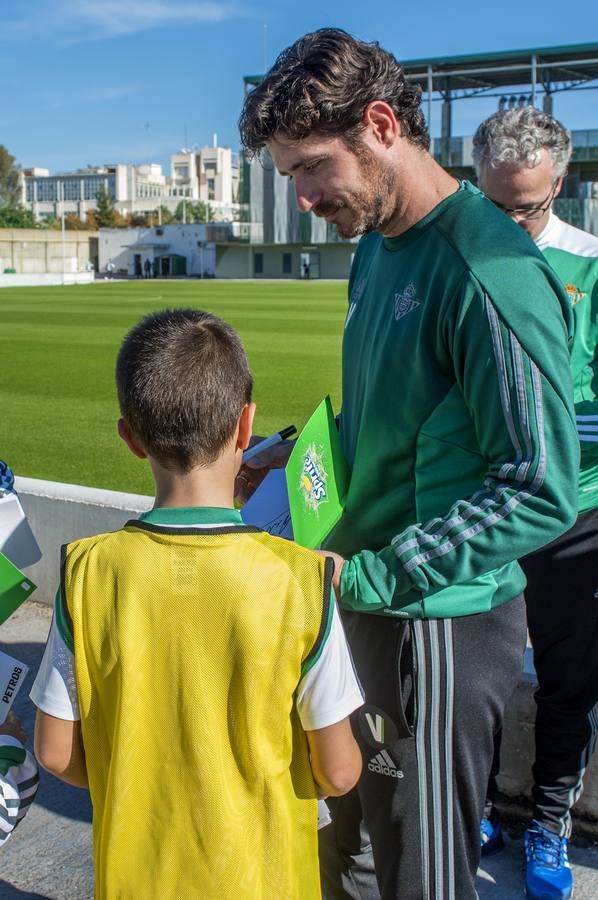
pixel 51 223
pixel 16 216
pixel 199 212
pixel 164 215
pixel 120 221
pixel 10 178
pixel 72 222
pixel 104 213
pixel 138 220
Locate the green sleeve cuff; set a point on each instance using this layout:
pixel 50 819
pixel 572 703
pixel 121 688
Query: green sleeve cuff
pixel 367 582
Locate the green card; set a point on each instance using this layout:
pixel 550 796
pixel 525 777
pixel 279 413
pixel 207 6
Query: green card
pixel 14 588
pixel 317 478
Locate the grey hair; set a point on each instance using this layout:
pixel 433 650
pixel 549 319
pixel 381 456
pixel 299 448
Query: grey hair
pixel 514 137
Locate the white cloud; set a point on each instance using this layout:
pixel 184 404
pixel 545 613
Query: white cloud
pixel 82 20
pixel 138 15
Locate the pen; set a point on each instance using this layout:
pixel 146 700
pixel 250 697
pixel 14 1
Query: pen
pixel 276 438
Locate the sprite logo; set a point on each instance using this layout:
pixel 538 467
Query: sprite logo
pixel 313 478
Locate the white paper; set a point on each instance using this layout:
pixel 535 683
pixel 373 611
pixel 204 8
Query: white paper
pixel 323 814
pixel 17 542
pixel 12 676
pixel 268 507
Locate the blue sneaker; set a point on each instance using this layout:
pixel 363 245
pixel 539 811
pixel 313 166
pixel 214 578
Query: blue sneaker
pixel 491 838
pixel 548 873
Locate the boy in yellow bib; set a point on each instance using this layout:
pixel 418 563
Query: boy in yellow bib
pixel 196 676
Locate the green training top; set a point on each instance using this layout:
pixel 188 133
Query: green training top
pixel 573 254
pixel 457 416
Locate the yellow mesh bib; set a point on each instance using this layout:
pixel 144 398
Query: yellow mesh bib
pixel 189 646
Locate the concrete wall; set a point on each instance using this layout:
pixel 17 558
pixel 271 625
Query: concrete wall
pixel 237 261
pixel 234 261
pixel 34 251
pixel 46 279
pixel 58 513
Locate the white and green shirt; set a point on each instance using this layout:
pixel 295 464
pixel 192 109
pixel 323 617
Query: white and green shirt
pixel 573 254
pixel 19 780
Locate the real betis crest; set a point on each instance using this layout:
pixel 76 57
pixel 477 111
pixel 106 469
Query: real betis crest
pixel 575 295
pixel 406 301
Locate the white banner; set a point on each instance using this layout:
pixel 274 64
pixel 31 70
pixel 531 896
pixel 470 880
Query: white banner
pixel 12 676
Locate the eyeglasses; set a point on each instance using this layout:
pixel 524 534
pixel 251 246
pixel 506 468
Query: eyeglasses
pixel 533 211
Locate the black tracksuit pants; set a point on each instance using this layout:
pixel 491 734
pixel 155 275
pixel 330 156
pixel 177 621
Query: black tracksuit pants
pixel 435 691
pixel 562 614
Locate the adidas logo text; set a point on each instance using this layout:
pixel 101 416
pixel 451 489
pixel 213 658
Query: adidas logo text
pixel 382 764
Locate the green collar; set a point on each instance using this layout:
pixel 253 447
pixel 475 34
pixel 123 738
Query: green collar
pixel 402 240
pixel 192 515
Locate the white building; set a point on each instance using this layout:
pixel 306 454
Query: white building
pixel 133 188
pixel 163 252
pixel 210 174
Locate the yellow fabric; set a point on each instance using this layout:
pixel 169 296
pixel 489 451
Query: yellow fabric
pixel 188 650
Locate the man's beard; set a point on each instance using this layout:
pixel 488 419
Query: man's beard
pixel 373 207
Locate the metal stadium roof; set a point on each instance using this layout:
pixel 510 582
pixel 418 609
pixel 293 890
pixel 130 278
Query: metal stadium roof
pixel 550 68
pixel 553 68
pixel 518 77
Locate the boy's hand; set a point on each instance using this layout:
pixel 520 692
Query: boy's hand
pixel 339 562
pixel 12 726
pixel 252 473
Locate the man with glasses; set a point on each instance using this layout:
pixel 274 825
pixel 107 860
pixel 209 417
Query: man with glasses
pixel 521 157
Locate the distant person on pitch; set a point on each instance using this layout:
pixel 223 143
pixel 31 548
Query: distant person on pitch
pixel 521 157
pixel 196 675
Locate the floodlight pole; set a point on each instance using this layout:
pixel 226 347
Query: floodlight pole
pixel 534 76
pixel 62 229
pixel 430 89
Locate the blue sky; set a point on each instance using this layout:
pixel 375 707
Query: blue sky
pixel 100 81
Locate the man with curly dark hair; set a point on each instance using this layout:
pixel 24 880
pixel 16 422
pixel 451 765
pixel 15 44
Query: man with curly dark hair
pixel 457 422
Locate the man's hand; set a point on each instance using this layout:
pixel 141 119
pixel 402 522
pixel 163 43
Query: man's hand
pixel 339 562
pixel 252 473
pixel 13 727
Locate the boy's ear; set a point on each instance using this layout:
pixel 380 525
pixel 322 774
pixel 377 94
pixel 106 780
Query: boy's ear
pixel 127 435
pixel 245 426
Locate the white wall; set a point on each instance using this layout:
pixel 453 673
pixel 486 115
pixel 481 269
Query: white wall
pixel 59 513
pixel 118 244
pixel 33 251
pixel 46 279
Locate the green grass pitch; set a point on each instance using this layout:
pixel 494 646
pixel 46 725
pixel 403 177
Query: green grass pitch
pixel 59 347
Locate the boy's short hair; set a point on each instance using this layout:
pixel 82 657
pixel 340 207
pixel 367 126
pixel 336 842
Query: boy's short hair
pixel 182 379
